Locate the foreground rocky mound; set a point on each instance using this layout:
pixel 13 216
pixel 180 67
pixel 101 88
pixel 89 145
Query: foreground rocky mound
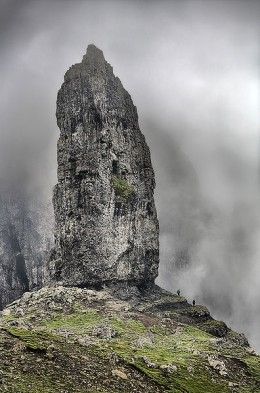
pixel 106 222
pixel 72 340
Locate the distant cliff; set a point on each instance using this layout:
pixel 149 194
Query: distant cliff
pixel 25 237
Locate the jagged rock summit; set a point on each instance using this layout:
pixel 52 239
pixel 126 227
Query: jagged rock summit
pixel 106 223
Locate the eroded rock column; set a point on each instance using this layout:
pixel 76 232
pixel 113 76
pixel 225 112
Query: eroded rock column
pixel 106 222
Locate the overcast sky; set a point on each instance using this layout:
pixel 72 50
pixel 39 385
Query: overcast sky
pixel 192 69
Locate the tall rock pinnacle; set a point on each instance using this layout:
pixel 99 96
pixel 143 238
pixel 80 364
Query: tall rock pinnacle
pixel 106 223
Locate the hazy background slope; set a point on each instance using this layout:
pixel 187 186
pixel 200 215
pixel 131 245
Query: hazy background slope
pixel 192 68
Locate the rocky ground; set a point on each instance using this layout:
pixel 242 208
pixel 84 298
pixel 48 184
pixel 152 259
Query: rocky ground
pixel 72 340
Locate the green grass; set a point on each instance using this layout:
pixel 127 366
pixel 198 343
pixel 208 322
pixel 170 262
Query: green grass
pixel 122 188
pixel 76 322
pixel 25 383
pixel 188 347
pixel 253 364
pixel 165 349
pixel 33 340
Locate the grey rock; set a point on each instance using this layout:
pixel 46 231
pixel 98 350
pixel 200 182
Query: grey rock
pixel 145 341
pixel 190 369
pixel 106 222
pixel 119 373
pixel 217 365
pixel 169 368
pixel 105 332
pixel 25 238
pixel 148 362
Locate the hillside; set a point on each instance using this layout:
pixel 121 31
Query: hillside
pixel 72 340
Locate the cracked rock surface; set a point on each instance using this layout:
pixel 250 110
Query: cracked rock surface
pixel 25 241
pixel 106 222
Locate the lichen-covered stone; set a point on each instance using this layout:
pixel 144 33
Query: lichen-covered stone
pixel 106 222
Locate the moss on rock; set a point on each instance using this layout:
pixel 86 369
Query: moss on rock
pixel 122 188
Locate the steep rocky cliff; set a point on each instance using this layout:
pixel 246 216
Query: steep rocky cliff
pixel 106 222
pixel 25 237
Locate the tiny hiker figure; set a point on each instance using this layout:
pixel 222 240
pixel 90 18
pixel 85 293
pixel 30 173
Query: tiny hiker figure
pixel 193 302
pixel 178 292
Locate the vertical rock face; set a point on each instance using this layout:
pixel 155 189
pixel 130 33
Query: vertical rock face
pixel 25 237
pixel 106 222
pixel 13 273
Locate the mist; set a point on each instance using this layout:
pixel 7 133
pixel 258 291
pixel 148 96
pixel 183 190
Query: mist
pixel 192 69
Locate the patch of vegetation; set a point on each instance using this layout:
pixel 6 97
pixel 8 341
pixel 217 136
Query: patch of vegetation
pixel 33 340
pixel 23 383
pixel 82 322
pixel 128 327
pixel 8 318
pixel 70 368
pixel 184 382
pixel 165 353
pixel 150 348
pixel 253 364
pixel 181 350
pixel 122 188
pixel 166 349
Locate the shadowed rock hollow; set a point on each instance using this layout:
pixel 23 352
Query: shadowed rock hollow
pixel 106 223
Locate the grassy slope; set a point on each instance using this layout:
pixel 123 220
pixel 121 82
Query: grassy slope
pixel 138 352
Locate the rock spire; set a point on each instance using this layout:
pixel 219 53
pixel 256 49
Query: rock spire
pixel 106 223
